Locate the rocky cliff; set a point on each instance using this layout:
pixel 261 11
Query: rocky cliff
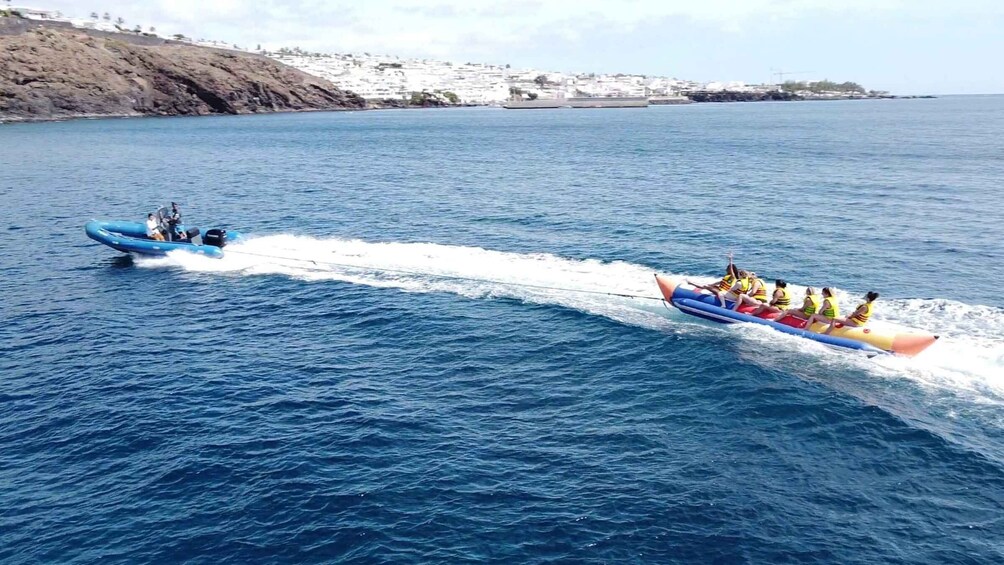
pixel 51 72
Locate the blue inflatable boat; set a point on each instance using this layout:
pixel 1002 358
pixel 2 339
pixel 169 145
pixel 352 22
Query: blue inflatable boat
pixel 130 237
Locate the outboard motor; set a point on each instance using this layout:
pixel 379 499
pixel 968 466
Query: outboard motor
pixel 215 237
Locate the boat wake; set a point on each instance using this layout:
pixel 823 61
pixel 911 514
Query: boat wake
pixel 967 361
pixel 471 272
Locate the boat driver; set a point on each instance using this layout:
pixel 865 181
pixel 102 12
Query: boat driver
pixel 173 223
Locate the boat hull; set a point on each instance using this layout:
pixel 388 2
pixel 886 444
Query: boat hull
pixel 705 305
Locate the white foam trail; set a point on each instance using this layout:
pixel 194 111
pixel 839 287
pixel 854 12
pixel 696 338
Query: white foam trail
pixel 968 359
pixel 314 259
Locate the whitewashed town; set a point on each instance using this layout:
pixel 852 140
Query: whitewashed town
pixel 390 77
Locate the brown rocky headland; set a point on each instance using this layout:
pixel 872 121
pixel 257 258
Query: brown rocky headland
pixel 52 72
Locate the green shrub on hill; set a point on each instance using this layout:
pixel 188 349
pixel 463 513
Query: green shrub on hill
pixel 823 86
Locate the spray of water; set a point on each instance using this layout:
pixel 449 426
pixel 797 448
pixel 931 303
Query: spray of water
pixel 968 359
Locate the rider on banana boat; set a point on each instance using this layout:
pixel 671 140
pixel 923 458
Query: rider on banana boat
pixel 779 301
pixel 860 316
pixel 726 282
pixel 828 311
pixel 741 286
pixel 810 305
pixel 756 295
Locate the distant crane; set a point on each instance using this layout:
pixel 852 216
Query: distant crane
pixel 781 74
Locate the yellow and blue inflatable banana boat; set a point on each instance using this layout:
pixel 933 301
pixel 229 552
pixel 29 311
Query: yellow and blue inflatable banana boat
pixel 703 304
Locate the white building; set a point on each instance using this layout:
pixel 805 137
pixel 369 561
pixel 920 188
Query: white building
pixel 381 76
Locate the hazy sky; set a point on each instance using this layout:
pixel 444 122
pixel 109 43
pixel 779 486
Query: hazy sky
pixel 905 46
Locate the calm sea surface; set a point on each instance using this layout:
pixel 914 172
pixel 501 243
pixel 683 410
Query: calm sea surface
pixel 338 389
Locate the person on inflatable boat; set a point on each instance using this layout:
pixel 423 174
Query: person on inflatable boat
pixel 723 285
pixel 779 301
pixel 153 228
pixel 174 224
pixel 756 295
pixel 828 311
pixel 810 305
pixel 740 286
pixel 860 316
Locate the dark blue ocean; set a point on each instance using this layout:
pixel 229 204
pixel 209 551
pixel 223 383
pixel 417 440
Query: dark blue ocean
pixel 338 389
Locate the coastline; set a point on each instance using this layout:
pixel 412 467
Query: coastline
pixel 11 120
pixel 4 120
pixel 129 75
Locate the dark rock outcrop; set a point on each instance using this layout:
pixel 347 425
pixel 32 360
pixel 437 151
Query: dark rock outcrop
pixel 387 103
pixel 735 96
pixel 53 72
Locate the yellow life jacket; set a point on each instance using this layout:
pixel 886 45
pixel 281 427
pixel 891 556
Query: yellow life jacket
pixel 726 283
pixel 830 308
pixel 811 304
pixel 860 318
pixel 761 291
pixel 784 301
pixel 744 285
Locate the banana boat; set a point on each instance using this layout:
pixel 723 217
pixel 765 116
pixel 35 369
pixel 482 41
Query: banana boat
pixel 703 304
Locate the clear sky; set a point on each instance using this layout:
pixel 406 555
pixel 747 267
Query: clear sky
pixel 904 46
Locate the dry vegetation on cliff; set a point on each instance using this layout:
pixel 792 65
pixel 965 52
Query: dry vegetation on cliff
pixel 56 73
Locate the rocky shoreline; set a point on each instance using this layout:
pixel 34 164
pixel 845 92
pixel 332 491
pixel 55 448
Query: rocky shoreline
pixel 57 73
pixel 735 96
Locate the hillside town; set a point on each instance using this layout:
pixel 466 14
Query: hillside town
pixel 385 76
pixel 389 77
